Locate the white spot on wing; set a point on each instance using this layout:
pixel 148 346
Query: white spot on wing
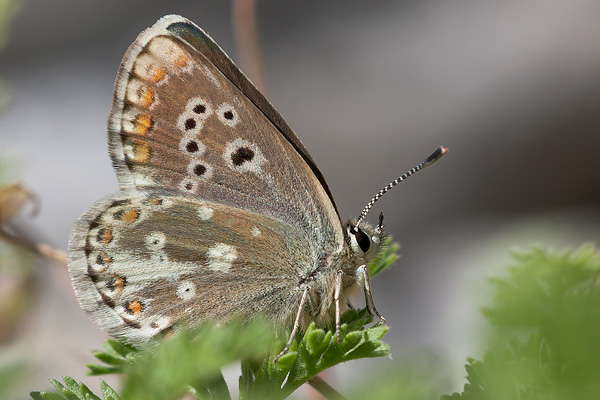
pixel 227 115
pixel 156 241
pixel 152 328
pixel 256 231
pixel 253 165
pixel 146 67
pixel 188 185
pixel 199 107
pixel 205 213
pixel 221 257
pixel 189 124
pixel 171 54
pixel 192 147
pixel 205 173
pixel 186 290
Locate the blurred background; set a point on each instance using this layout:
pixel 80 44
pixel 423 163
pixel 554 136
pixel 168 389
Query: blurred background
pixel 371 88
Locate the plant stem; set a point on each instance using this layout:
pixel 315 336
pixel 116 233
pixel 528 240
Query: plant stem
pixel 324 388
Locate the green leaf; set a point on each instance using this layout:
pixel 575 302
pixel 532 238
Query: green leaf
pixel 316 341
pixel 119 348
pixel 385 259
pixel 74 391
pixel 116 354
pixel 318 350
pixel 46 396
pixel 108 392
pixel 67 393
pixel 95 369
pixel 108 358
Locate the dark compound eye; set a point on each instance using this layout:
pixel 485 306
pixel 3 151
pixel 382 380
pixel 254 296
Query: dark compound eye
pixel 362 239
pixel 242 155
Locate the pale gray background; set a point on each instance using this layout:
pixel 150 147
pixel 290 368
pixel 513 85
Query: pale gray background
pixel 371 88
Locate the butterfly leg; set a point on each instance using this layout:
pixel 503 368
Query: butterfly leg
pixel 336 299
pixel 296 325
pixel 364 271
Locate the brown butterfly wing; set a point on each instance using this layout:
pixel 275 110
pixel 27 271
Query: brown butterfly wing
pixel 143 261
pixel 188 129
pixel 178 122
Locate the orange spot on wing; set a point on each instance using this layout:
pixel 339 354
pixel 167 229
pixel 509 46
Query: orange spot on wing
pixel 181 61
pixel 158 74
pixel 105 259
pixel 135 307
pixel 119 285
pixel 147 97
pixel 142 123
pixel 105 236
pixel 130 216
pixel 140 151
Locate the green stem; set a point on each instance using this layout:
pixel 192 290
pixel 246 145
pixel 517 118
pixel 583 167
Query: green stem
pixel 324 388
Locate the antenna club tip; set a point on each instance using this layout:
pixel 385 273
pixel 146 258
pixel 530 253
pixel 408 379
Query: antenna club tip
pixel 436 155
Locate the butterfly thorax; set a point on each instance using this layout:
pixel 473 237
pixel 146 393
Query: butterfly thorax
pixel 360 247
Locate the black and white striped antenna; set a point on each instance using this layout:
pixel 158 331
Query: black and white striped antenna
pixel 436 155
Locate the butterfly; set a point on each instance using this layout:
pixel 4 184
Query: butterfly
pixel 222 213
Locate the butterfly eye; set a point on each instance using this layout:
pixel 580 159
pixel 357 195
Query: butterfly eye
pixel 360 238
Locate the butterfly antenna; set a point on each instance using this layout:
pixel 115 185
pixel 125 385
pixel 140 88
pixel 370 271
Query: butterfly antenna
pixel 436 155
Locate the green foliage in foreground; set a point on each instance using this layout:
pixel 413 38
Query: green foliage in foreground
pixel 546 337
pixel 191 361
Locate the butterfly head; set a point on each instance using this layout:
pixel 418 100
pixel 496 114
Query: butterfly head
pixel 364 240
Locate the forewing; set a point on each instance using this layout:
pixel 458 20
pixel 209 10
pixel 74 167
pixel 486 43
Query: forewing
pixel 142 261
pixel 181 122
